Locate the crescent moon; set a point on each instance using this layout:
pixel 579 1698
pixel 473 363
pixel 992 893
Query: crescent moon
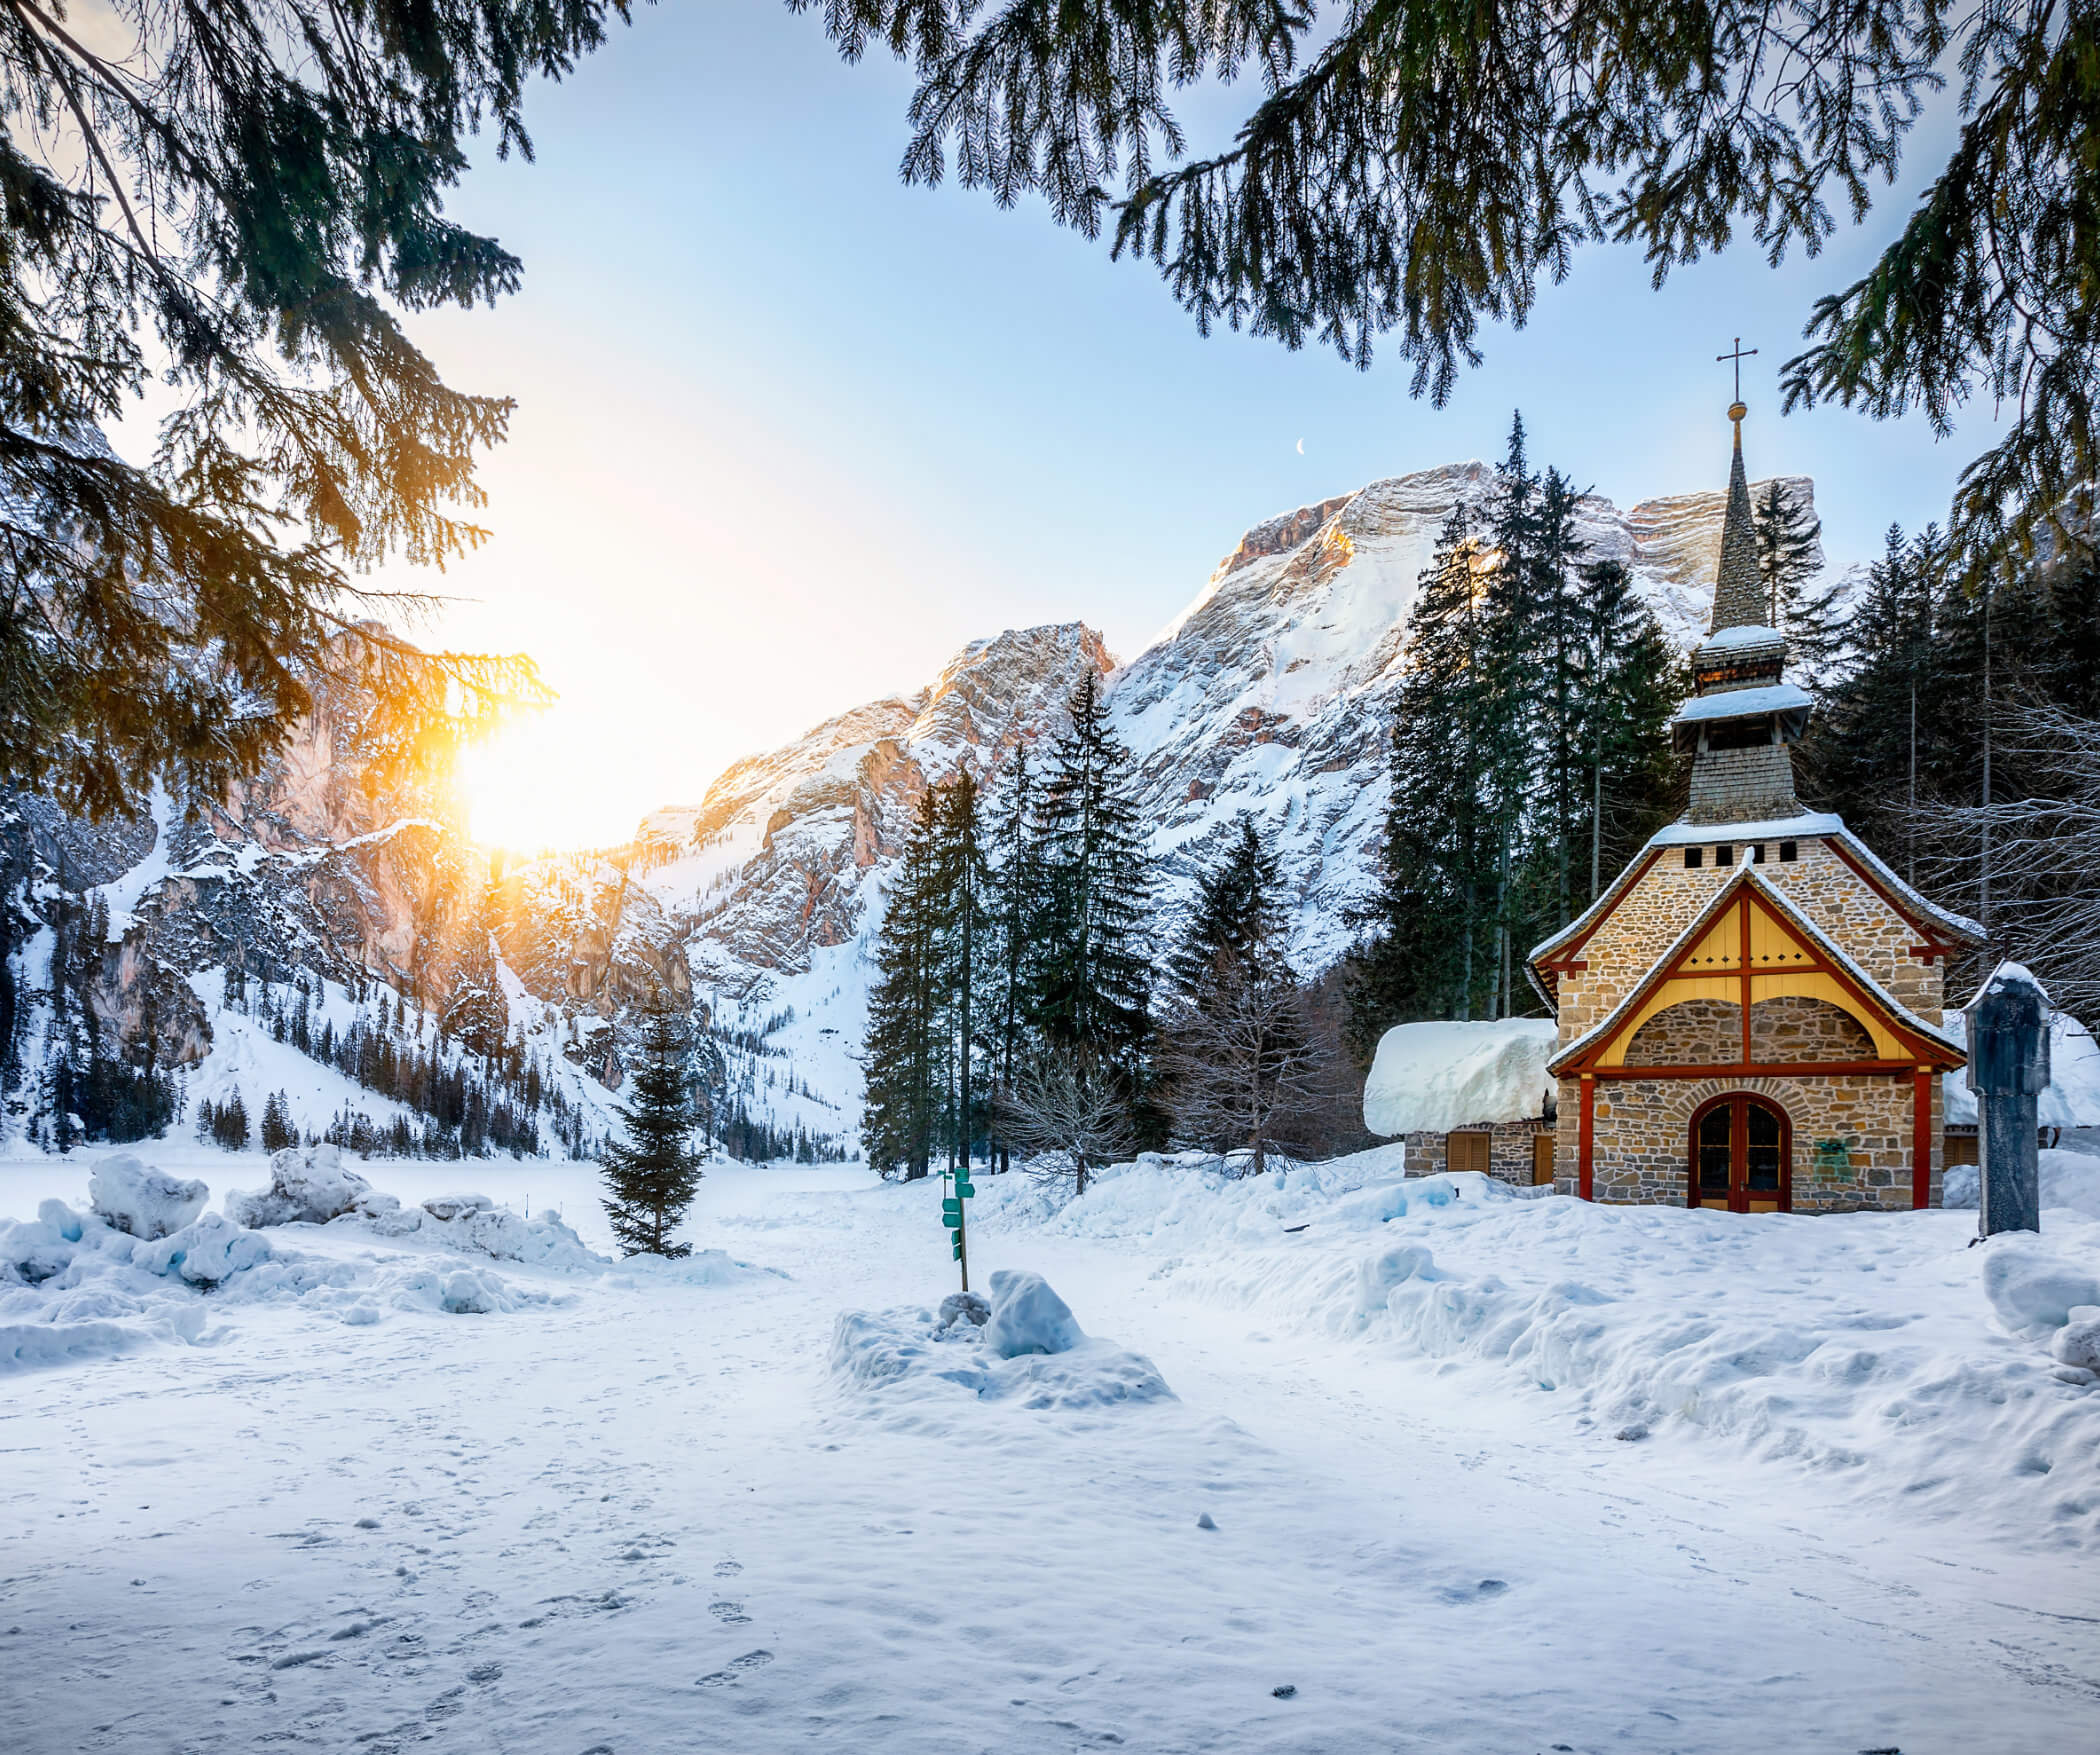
pixel 1301 447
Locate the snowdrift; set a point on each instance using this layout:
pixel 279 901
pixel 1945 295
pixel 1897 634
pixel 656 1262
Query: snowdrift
pixel 1876 1348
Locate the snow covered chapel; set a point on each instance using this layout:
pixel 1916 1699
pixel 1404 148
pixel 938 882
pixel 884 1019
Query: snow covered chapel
pixel 1750 1017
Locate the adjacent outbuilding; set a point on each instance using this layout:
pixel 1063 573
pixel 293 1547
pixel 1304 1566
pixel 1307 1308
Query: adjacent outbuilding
pixel 1468 1096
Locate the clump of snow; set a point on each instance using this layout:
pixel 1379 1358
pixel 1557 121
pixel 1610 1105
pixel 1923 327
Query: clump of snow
pixel 1027 1317
pixel 2033 1289
pixel 704 1267
pixel 1433 1077
pixel 208 1253
pixel 456 1206
pixel 142 1201
pixel 913 1355
pixel 970 1307
pixel 308 1185
pixel 2077 1343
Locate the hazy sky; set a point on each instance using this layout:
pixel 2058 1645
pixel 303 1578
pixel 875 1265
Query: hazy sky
pixel 789 432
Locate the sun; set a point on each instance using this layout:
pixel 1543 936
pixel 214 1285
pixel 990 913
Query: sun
pixel 539 785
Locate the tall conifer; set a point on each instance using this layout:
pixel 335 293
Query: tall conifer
pixel 652 1174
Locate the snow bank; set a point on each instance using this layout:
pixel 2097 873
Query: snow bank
pixel 1878 1349
pixel 2070 1180
pixel 1031 1352
pixel 308 1185
pixel 142 1201
pixel 1431 1078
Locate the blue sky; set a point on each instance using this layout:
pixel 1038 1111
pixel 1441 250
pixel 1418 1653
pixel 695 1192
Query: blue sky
pixel 790 432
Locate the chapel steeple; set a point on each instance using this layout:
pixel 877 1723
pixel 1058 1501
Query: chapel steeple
pixel 1744 715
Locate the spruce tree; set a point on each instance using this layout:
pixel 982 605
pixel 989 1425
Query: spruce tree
pixel 1425 957
pixel 898 1051
pixel 1633 682
pixel 1237 920
pixel 652 1173
pixel 1016 907
pixel 1093 1000
pixel 961 885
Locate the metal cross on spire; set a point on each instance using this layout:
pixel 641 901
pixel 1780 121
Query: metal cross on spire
pixel 1741 354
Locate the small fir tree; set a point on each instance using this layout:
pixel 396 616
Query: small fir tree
pixel 653 1173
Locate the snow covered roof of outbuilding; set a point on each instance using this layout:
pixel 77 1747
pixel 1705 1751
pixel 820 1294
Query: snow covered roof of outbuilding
pixel 1433 1077
pixel 1750 634
pixel 2072 1096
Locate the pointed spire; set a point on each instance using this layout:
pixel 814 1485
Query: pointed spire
pixel 1739 593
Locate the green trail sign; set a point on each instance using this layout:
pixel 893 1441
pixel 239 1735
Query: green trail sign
pixel 955 1189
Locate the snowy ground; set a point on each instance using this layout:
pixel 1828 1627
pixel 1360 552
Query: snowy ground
pixel 635 1513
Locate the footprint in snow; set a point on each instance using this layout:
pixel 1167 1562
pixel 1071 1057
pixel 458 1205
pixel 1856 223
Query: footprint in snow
pixel 727 1568
pixel 730 1614
pixel 736 1669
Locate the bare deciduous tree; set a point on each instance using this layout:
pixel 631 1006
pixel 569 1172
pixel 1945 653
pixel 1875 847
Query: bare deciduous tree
pixel 1243 1069
pixel 2043 852
pixel 1065 1119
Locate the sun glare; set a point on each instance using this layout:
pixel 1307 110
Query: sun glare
pixel 541 786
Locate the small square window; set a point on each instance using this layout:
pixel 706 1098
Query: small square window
pixel 1789 851
pixel 1694 858
pixel 1724 854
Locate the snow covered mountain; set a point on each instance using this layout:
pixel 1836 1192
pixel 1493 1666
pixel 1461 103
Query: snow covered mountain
pixel 1270 693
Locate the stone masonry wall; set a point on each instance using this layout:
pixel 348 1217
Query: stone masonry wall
pixel 1509 1151
pixel 1641 1138
pixel 1708 1032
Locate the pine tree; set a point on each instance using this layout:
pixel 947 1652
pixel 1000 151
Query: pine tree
pixel 1236 1048
pixel 278 1132
pixel 248 199
pixel 897 1054
pixel 1633 682
pixel 961 885
pixel 653 1173
pixel 1237 920
pixel 1016 906
pixel 1093 1000
pixel 1424 957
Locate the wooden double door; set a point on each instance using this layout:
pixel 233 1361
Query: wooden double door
pixel 1741 1156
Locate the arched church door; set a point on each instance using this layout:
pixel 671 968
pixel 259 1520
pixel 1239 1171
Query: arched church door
pixel 1742 1156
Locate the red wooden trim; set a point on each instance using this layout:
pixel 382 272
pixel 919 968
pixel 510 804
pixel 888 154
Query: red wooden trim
pixel 1585 1155
pixel 1921 1142
pixel 1792 1069
pixel 1613 897
pixel 1931 953
pixel 1742 907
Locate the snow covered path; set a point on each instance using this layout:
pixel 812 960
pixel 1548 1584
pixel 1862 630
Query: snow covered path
pixel 647 1520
